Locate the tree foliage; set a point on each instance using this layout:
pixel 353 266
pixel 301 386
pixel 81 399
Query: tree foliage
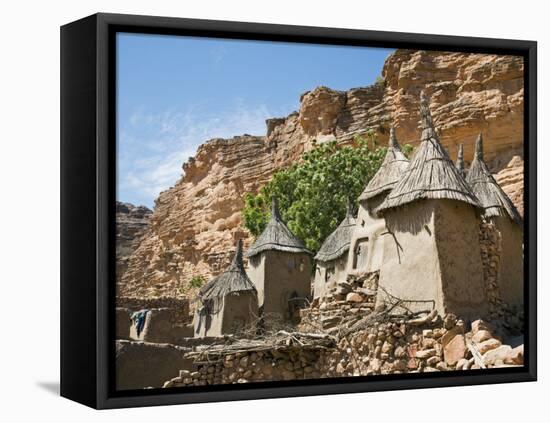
pixel 312 195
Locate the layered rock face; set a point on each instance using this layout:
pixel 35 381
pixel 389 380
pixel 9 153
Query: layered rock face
pixel 131 224
pixel 469 93
pixel 196 223
pixel 510 179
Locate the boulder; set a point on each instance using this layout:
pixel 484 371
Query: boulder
pixel 497 354
pixel 514 356
pixel 454 346
pixel 426 353
pixel 481 335
pixel 488 345
pixel 461 364
pixel 478 325
pixel 354 297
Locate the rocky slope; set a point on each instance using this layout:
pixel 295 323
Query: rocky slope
pixel 131 224
pixel 196 222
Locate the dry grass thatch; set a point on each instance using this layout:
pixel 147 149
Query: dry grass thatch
pixel 431 173
pixel 337 243
pixel 391 170
pixel 460 160
pixel 492 198
pixel 233 280
pixel 277 236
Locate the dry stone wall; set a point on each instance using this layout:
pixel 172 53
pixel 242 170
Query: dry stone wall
pixel 491 249
pixel 426 344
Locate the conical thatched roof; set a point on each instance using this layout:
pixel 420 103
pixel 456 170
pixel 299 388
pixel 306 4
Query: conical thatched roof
pixel 337 243
pixel 394 165
pixel 234 279
pixel 493 199
pixel 277 236
pixel 460 160
pixel 431 173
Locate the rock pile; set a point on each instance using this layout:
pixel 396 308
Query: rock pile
pixel 417 346
pixel 341 308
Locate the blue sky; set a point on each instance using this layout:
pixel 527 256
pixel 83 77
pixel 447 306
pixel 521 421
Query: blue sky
pixel 174 93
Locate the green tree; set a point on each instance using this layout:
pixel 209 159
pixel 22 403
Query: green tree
pixel 312 195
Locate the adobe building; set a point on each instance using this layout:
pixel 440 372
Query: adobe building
pixel 228 303
pixel 279 265
pixel 431 249
pixel 499 209
pixel 366 245
pixel 332 257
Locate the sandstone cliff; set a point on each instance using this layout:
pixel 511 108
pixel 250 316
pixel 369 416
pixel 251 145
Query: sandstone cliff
pixel 196 222
pixel 131 224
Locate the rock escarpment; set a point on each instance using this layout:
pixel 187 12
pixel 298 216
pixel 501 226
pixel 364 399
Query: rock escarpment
pixel 510 179
pixel 131 224
pixel 196 222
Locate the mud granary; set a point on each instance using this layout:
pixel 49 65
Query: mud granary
pixel 228 303
pixel 332 257
pixel 279 265
pixel 367 238
pixel 505 220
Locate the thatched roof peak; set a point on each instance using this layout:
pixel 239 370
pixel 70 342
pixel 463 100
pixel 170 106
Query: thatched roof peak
pixel 492 198
pixel 391 170
pixel 237 262
pixel 337 243
pixel 460 160
pixel 431 173
pixel 233 280
pixel 277 236
pixel 479 147
pixel 426 120
pixel 392 141
pixel 274 209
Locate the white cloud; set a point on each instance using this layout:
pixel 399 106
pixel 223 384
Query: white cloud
pixel 153 147
pixel 218 53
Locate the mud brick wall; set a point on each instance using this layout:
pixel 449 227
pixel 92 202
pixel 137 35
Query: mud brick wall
pixel 179 307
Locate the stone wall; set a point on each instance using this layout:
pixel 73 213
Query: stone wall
pixel 254 366
pixel 341 307
pixel 426 344
pixel 490 246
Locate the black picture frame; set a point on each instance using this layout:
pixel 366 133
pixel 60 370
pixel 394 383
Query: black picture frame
pixel 88 90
